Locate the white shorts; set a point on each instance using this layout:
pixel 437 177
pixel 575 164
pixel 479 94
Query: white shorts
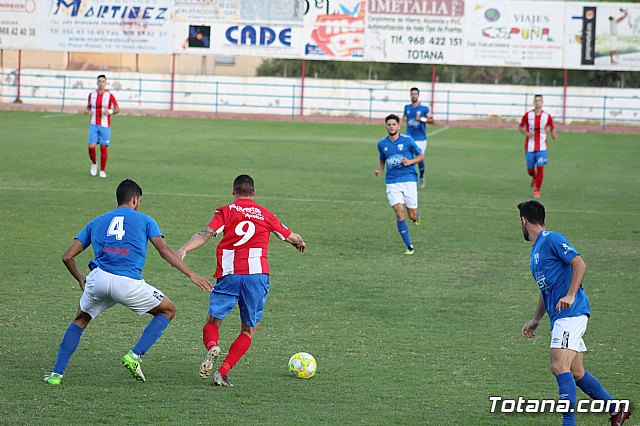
pixel 103 290
pixel 613 43
pixel 403 193
pixel 423 146
pixel 567 333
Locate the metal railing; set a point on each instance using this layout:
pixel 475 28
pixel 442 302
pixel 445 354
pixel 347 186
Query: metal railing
pixel 281 96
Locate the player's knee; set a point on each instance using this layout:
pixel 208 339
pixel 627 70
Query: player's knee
pixel 558 368
pixel 170 310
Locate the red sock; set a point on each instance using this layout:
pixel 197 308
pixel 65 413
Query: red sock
pixel 104 154
pixel 238 348
pixel 92 154
pixel 539 177
pixel 210 335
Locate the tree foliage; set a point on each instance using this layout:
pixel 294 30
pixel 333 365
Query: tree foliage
pixel 446 73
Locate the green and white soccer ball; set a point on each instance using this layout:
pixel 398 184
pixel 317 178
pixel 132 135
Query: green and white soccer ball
pixel 302 365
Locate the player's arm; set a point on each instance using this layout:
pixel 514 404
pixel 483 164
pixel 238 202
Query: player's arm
pixel 69 260
pixel 551 129
pixel 529 329
pixel 428 118
pixel 87 110
pixel 199 239
pixel 418 158
pixel 168 254
pixel 115 108
pixel 578 269
pixel 380 167
pixel 296 241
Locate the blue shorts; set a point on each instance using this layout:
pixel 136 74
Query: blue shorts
pixel 100 135
pixel 537 158
pixel 248 291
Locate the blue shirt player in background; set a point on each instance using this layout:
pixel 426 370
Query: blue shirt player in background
pixel 417 116
pixel 399 153
pixel 119 238
pixel 559 270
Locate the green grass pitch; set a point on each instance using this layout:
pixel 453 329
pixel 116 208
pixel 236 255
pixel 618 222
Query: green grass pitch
pixel 398 339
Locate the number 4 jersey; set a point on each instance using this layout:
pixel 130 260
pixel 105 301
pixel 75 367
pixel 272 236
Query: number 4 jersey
pixel 246 228
pixel 119 240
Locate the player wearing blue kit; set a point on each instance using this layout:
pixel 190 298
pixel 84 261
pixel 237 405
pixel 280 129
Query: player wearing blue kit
pixel 399 153
pixel 558 269
pixel 417 116
pixel 119 238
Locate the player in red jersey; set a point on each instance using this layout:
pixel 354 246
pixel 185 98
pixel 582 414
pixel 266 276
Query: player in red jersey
pixel 242 271
pixel 534 125
pixel 101 105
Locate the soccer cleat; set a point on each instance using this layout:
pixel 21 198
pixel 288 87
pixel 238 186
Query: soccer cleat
pixel 94 169
pixel 417 221
pixel 53 378
pixel 422 183
pixel 619 418
pixel 536 194
pixel 409 250
pixel 133 365
pixel 209 360
pixel 103 174
pixel 220 380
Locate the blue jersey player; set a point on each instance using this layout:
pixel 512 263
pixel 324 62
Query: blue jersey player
pixel 417 116
pixel 399 153
pixel 119 238
pixel 558 269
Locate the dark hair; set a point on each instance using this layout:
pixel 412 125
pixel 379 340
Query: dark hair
pixel 392 117
pixel 243 185
pixel 127 190
pixel 533 211
pixel 101 75
pixel 537 96
pixel 414 88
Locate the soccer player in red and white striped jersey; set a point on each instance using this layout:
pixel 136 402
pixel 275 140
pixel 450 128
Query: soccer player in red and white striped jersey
pixel 535 125
pixel 242 271
pixel 101 105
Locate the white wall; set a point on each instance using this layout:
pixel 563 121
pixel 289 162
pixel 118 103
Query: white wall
pixel 270 95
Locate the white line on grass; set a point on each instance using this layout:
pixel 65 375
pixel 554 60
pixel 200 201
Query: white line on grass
pixel 444 129
pixel 317 200
pixel 59 115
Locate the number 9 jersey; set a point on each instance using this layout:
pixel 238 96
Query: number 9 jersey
pixel 246 228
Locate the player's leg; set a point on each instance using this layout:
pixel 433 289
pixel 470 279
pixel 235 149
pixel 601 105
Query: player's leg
pixel 141 298
pixel 421 165
pixel 530 161
pixel 410 199
pixel 105 140
pixel 93 302
pixel 541 160
pixel 222 299
pixel 396 200
pixel 566 345
pixel 210 337
pixel 254 289
pixel 68 346
pixel 93 140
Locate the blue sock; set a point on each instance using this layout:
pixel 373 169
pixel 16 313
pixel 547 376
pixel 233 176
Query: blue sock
pixel 151 334
pixel 68 346
pixel 592 387
pixel 404 232
pixel 421 169
pixel 567 390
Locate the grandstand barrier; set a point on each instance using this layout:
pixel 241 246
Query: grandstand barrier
pixel 370 99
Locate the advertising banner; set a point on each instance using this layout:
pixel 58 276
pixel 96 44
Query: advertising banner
pixel 602 36
pixel 123 26
pixel 19 24
pixel 415 31
pixel 239 27
pixel 513 33
pixel 334 30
